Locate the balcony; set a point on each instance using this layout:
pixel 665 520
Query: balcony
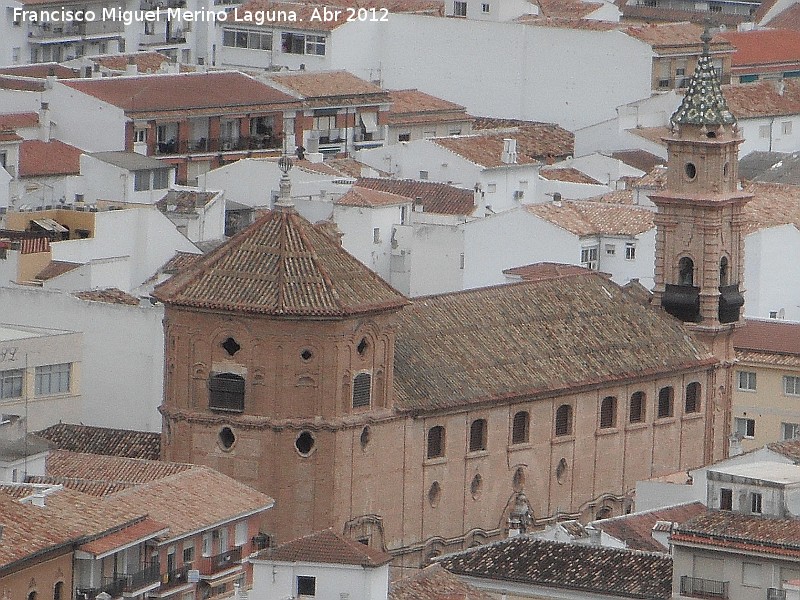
pixel 218 145
pixel 175 577
pixel 76 29
pixel 776 594
pixel 120 585
pixel 695 587
pixel 211 565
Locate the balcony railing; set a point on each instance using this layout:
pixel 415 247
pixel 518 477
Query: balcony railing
pixel 214 564
pixel 118 585
pixel 218 145
pixel 776 594
pixel 696 587
pixel 175 577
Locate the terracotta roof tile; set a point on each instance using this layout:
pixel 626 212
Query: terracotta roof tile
pixel 146 62
pixel 789 18
pixel 191 91
pixel 727 529
pixel 438 198
pixel 526 560
pixel 366 197
pixel 776 336
pixel 615 197
pixel 546 270
pixel 566 9
pixel 568 174
pixel 85 486
pixel 343 167
pixel 326 547
pixel 103 440
pixel 55 268
pixel 176 264
pixel 788 448
pixel 768 358
pixel 638 159
pixel 566 23
pixel 764 98
pixel 434 583
pixel 9 136
pixel 764 47
pixel 38 158
pixel 281 265
pixel 772 204
pixel 109 295
pixel 18 120
pixel 664 36
pixel 653 134
pixel 414 106
pixel 595 218
pixel 655 179
pixel 535 144
pixel 26 84
pixel 97 467
pixel 326 84
pixel 206 497
pixel 636 530
pixel 530 338
pixel 40 71
pixel 143 530
pixel 184 201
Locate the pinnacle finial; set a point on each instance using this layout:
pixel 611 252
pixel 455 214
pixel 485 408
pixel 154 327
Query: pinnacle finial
pixel 706 36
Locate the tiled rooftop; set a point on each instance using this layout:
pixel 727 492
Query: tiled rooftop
pixel 772 204
pixel 40 71
pixel 143 530
pixel 531 338
pixel 735 531
pixel 567 174
pixel 369 198
pixel 638 159
pixel 85 486
pixel 10 121
pixel 546 270
pixel 193 91
pixel 773 336
pixel 184 201
pixel 595 218
pixel 38 158
pixel 326 546
pixel 325 84
pixel 146 62
pixel 636 530
pixel 764 98
pixel 566 9
pixel 668 37
pixel 578 567
pixel 55 268
pixel 103 440
pixel 535 144
pixel 434 583
pixel 763 47
pixel 624 197
pixel 109 296
pixel 414 106
pixel 25 84
pixel 281 265
pixel 176 264
pixel 438 198
pixel 566 23
pixel 788 448
pixel 789 18
pixel 96 467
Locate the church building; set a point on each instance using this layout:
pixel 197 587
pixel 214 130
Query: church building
pixel 429 425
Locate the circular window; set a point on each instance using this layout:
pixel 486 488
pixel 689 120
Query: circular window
pixel 518 482
pixel 304 443
pixel 476 487
pixel 306 355
pixel 691 171
pixel 362 347
pixel 226 438
pixel 366 436
pixel 435 494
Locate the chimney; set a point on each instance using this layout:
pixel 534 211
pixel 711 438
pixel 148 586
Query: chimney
pixel 44 122
pixel 509 156
pixel 38 499
pixel 201 65
pixel 594 535
pixel 51 78
pixel 96 70
pixel 418 207
pixel 557 198
pixel 477 195
pixel 131 68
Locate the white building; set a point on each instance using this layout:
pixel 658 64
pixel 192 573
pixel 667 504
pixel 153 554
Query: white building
pixel 126 177
pixel 322 565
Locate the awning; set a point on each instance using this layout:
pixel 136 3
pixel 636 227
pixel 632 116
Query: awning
pixel 50 225
pixel 370 122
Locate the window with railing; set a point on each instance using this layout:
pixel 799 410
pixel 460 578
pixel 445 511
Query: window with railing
pixel 697 587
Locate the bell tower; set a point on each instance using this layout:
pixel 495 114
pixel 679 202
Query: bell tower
pixel 700 236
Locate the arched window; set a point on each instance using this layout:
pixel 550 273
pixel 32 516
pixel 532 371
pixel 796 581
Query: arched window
pixel 723 271
pixel 477 435
pixel 685 271
pixel 564 420
pixel 58 591
pixel 226 392
pixel 362 391
pixel 435 442
pixel 608 412
pixel 32 595
pixel 665 398
pixel 692 404
pixel 520 427
pixel 637 413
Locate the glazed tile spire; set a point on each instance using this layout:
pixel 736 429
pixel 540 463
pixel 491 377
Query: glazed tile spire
pixel 703 103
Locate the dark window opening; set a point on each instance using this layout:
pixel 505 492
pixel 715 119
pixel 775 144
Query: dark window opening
pixel 434 494
pixel 686 271
pixel 362 346
pixel 58 591
pixel 561 470
pixel 692 397
pixel 723 271
pixel 477 435
pixel 306 586
pixel 226 392
pixel 665 397
pixel 637 407
pixel 304 443
pixel 691 170
pixel 435 442
pixel 366 436
pixel 755 503
pixel 726 499
pixel 476 486
pixel 608 412
pixel 362 385
pixel 520 429
pixel 306 355
pixel 518 481
pixel 231 346
pixel 564 420
pixel 226 438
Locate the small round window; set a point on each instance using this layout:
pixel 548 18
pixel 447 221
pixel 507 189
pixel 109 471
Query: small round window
pixel 226 438
pixel 306 355
pixel 690 170
pixel 304 443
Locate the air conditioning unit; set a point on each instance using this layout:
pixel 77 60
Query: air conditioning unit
pixel 519 195
pixel 226 145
